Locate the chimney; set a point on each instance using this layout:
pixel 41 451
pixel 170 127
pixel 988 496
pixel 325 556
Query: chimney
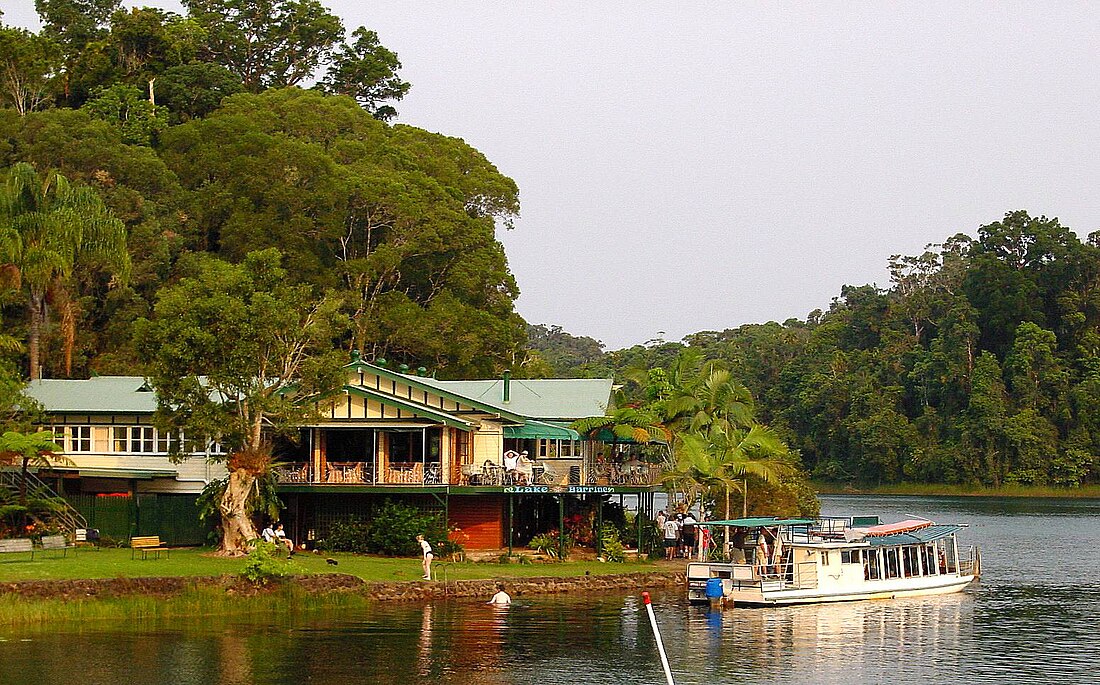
pixel 507 386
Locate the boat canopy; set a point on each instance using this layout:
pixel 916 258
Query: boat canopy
pixel 899 527
pixel 760 522
pixel 915 537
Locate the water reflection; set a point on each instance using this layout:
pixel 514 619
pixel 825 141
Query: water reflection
pixel 1033 619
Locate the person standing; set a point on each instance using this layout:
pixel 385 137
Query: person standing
pixel 672 537
pixel 687 534
pixel 426 548
pixel 661 518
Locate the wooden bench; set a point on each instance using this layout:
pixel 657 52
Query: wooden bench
pixel 53 543
pixel 16 545
pixel 147 543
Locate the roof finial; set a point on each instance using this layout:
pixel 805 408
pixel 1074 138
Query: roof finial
pixel 356 357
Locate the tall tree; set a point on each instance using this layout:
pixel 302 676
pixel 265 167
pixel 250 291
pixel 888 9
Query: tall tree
pixel 231 350
pixel 28 65
pixel 267 43
pixel 49 228
pixel 367 71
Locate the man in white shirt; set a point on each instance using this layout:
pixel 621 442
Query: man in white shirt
pixel 672 537
pixel 268 534
pixel 501 598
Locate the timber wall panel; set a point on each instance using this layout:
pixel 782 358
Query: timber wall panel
pixel 481 519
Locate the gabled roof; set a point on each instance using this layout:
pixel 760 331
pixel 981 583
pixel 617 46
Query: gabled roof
pixel 96 395
pixel 413 407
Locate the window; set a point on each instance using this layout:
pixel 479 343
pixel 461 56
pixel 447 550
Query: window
pixel 564 449
pixel 166 442
pixel 849 556
pixel 80 439
pixel 824 558
pixel 133 439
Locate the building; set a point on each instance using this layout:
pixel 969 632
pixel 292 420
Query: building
pixel 385 434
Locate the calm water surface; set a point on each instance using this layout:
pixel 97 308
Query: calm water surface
pixel 1035 618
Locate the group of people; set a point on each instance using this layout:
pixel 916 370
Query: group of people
pixel 679 533
pixel 277 536
pixel 519 467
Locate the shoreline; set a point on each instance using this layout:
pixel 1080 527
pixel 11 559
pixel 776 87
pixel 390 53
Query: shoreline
pixel 940 490
pixel 48 601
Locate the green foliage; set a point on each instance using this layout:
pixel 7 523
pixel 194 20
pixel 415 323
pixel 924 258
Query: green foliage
pixel 128 109
pixel 548 544
pixel 367 71
pixel 348 535
pixel 238 331
pixel 390 529
pixel 611 547
pixel 265 564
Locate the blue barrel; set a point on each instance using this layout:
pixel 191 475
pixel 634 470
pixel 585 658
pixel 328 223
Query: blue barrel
pixel 714 588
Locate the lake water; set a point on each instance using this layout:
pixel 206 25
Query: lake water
pixel 1034 618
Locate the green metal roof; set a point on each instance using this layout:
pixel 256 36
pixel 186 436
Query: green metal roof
pixel 547 399
pixel 96 395
pixel 915 537
pixel 760 522
pixel 541 429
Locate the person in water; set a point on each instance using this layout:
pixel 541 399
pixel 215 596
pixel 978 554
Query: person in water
pixel 501 598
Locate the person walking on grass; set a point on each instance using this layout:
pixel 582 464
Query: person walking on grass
pixel 427 563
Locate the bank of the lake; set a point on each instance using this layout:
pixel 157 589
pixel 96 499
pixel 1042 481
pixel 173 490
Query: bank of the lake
pixel 108 584
pixel 941 490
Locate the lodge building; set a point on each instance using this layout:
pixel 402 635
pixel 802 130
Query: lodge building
pixel 385 434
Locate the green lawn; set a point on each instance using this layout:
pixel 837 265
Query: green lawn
pixel 116 563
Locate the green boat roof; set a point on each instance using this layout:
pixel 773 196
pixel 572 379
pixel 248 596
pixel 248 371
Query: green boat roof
pixel 760 522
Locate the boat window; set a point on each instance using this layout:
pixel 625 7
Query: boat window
pixel 892 563
pixel 871 566
pixel 910 562
pixel 825 558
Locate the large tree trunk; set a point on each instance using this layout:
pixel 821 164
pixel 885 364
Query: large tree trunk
pixel 237 528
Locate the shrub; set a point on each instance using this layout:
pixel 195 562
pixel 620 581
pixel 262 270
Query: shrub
pixel 265 564
pixel 610 545
pixel 547 543
pixel 394 527
pixel 347 535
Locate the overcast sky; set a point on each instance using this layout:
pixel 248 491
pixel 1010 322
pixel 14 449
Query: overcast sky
pixel 687 167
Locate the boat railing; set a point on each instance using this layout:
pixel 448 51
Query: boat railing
pixel 787 576
pixel 970 562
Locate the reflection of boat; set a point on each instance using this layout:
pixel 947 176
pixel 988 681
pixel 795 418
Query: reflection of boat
pixel 802 561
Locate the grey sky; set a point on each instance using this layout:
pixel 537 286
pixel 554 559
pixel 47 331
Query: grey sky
pixel 688 167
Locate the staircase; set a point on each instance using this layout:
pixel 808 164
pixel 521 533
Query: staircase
pixel 65 516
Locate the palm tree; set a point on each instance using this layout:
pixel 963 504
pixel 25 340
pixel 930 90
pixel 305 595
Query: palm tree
pixel 48 228
pixel 725 460
pixel 628 424
pixel 711 400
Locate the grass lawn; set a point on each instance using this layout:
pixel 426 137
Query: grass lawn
pixel 116 563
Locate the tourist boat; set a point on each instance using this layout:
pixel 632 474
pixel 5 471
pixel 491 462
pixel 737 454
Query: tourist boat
pixel 833 559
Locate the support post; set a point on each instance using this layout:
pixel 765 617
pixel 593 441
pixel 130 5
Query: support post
pixel 561 527
pixel 511 515
pixel 599 525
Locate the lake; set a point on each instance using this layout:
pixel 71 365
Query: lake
pixel 1034 618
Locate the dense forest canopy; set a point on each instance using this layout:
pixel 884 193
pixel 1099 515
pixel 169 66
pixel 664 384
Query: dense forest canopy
pixel 195 133
pixel 980 364
pixel 135 142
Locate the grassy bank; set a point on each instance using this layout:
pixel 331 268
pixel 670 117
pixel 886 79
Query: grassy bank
pixel 930 489
pixel 116 563
pixel 198 601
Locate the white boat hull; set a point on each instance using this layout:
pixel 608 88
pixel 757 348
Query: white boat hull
pixel 881 590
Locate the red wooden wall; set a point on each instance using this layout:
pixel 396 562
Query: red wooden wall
pixel 480 518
